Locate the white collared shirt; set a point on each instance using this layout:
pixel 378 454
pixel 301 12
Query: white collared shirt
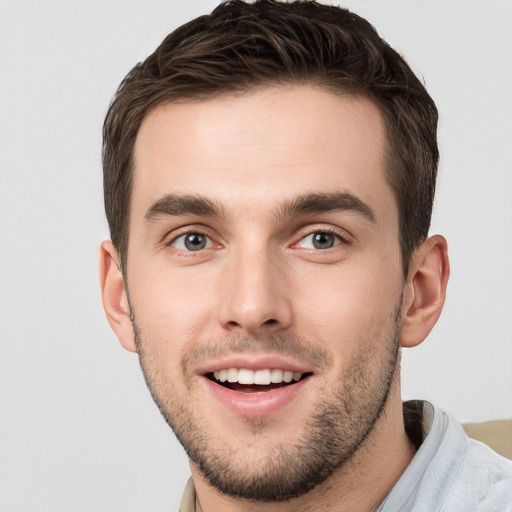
pixel 451 472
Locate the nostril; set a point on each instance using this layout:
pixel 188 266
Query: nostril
pixel 251 326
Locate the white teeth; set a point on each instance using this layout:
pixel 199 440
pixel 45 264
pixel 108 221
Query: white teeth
pixel 232 375
pixel 245 376
pixel 277 376
pixel 262 377
pixel 221 375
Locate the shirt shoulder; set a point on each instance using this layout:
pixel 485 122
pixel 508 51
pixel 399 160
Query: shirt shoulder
pixel 451 472
pixel 483 482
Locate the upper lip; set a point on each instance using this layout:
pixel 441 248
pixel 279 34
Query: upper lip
pixel 254 362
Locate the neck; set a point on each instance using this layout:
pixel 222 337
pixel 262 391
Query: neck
pixel 360 485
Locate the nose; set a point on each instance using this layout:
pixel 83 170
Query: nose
pixel 255 296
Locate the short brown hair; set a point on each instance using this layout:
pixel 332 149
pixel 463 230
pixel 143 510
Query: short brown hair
pixel 240 46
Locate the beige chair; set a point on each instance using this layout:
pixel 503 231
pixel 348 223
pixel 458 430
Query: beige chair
pixel 496 434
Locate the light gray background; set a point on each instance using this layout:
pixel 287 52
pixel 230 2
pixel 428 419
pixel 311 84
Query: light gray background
pixel 78 430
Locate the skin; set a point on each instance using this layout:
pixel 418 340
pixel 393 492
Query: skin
pixel 261 289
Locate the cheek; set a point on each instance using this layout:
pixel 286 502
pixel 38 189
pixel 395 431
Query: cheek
pixel 349 305
pixel 172 309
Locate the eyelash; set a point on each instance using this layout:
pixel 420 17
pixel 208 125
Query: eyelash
pixel 342 240
pixel 191 231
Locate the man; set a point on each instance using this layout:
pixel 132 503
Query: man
pixel 269 176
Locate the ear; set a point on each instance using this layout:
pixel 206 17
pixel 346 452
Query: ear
pixel 113 294
pixel 425 290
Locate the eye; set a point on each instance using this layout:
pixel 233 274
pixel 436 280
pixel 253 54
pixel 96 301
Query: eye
pixel 191 242
pixel 320 240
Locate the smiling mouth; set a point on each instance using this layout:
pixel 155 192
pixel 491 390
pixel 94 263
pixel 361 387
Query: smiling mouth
pixel 254 381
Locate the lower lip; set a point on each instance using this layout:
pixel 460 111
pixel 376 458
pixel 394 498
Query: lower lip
pixel 257 404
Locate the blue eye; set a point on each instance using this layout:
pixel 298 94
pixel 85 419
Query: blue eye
pixel 192 242
pixel 320 240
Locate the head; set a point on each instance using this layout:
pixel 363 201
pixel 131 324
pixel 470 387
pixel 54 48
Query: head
pixel 269 176
pixel 241 47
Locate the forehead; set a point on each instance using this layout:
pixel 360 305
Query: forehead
pixel 261 147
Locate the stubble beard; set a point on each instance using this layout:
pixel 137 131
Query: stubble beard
pixel 341 422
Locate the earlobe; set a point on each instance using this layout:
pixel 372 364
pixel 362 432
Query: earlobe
pixel 114 297
pixel 425 290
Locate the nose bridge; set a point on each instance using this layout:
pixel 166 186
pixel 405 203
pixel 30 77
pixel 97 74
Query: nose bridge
pixel 254 293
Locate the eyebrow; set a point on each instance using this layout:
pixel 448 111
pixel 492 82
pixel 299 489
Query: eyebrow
pixel 326 203
pixel 177 204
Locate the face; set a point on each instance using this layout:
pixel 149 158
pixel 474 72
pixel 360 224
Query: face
pixel 265 282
